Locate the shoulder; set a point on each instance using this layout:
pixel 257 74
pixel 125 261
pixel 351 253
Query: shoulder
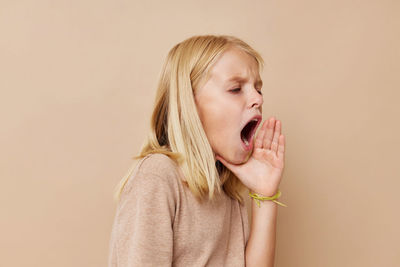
pixel 154 172
pixel 147 205
pixel 158 164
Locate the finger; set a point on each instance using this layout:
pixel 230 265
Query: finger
pixel 258 143
pixel 277 133
pixel 281 147
pixel 269 133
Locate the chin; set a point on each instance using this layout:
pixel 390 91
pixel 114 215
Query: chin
pixel 235 161
pixel 239 158
pixel 235 156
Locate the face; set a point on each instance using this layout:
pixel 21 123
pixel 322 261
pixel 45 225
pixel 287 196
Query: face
pixel 228 101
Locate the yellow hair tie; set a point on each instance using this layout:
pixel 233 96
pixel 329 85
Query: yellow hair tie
pixel 258 197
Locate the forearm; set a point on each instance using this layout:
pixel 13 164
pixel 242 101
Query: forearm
pixel 260 249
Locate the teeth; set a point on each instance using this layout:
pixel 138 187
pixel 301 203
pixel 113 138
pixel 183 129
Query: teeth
pixel 246 142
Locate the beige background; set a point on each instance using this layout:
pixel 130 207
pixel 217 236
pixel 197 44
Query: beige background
pixel 78 80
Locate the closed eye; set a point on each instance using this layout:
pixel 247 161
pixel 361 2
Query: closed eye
pixel 236 90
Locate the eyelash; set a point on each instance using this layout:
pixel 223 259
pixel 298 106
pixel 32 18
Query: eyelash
pixel 236 90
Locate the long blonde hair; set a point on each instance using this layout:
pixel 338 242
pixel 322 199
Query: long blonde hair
pixel 176 128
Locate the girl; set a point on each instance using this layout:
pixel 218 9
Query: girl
pixel 181 204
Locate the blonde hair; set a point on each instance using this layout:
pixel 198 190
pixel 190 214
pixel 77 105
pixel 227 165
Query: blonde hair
pixel 176 129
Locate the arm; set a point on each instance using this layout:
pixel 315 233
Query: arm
pixel 262 174
pixel 142 233
pixel 260 249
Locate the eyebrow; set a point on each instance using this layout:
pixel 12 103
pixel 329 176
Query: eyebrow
pixel 236 78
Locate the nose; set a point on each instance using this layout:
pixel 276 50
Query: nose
pixel 256 99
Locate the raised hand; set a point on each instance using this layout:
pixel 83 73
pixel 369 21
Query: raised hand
pixel 263 171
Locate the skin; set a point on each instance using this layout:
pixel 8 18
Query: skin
pixel 223 113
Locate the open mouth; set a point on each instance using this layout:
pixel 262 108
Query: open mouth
pixel 248 131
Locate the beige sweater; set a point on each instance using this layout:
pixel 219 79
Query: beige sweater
pixel 159 222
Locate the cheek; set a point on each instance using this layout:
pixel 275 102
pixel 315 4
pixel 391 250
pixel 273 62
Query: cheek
pixel 212 122
pixel 220 127
pixel 219 120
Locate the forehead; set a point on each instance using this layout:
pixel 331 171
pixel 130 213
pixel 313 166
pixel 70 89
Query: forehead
pixel 235 65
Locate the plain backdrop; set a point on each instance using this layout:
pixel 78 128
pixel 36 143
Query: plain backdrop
pixel 78 80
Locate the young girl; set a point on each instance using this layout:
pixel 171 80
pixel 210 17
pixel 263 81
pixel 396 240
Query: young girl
pixel 181 204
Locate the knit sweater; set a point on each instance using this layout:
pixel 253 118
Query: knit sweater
pixel 159 222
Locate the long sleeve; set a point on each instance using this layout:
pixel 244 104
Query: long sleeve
pixel 142 233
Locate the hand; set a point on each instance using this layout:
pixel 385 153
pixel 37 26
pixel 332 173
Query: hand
pixel 262 172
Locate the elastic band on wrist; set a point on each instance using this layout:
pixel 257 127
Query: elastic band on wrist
pixel 258 197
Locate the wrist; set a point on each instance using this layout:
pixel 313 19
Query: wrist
pixel 258 198
pixel 266 192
